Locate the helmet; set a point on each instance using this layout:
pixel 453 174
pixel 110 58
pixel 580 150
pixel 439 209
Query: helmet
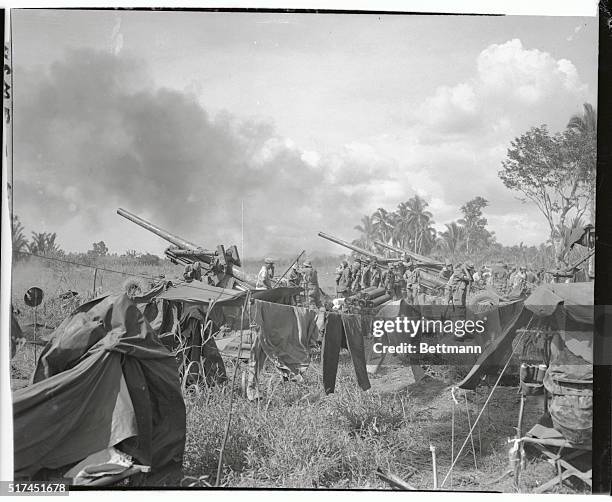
pixel 307 264
pixel 269 261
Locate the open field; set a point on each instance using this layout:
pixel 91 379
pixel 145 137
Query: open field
pixel 297 437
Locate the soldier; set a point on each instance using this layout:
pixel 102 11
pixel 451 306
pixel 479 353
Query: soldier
pixel 343 280
pixel 412 279
pixel 485 275
pixel 294 278
pixel 541 275
pixel 376 279
pixel 519 279
pixel 390 280
pixel 193 271
pixel 265 275
pixel 366 274
pixel 458 284
pixel 399 290
pixel 531 278
pixel 446 271
pixel 356 276
pixel 499 278
pixel 512 272
pixel 384 273
pixel 310 283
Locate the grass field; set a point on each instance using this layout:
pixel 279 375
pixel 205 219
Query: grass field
pixel 298 437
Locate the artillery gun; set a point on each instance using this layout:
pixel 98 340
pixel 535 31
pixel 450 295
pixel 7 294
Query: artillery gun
pixel 429 268
pixel 221 266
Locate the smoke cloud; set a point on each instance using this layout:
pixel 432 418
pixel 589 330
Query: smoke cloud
pixel 92 133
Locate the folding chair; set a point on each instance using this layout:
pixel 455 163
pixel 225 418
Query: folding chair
pixel 561 453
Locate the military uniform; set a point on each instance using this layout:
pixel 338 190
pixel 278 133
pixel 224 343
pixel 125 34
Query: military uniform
pixel 399 284
pixel 412 279
pixel 343 281
pixel 366 276
pixel 192 272
pixel 390 281
pixel 499 279
pixel 356 277
pixel 376 278
pixel 310 281
pixel 458 286
pixel 265 275
pixel 294 278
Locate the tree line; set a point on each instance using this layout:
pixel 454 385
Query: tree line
pixel 556 172
pixel 46 244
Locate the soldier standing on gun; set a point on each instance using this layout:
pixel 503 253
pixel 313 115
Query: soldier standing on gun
pixel 343 280
pixel 311 285
pixel 265 275
pixel 193 271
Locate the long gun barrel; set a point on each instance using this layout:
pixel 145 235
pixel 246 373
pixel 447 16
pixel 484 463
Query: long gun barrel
pixel 164 234
pixel 357 249
pixel 188 252
pixel 413 255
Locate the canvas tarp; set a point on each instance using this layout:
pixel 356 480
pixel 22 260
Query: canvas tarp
pixel 104 379
pixel 501 325
pixel 576 298
pixel 569 306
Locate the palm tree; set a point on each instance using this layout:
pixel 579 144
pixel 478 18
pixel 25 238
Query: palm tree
pixel 584 126
pixel 453 237
pixel 43 243
pixel 383 223
pixel 585 123
pixel 20 243
pixel 420 220
pixel 367 230
pixel 403 226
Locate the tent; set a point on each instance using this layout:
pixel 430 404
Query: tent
pixel 566 312
pixel 103 381
pixel 569 307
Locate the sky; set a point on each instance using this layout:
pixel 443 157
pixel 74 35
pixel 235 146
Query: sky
pixel 265 128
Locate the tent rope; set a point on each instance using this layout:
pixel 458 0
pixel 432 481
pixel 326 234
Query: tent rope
pixel 482 410
pixel 467 410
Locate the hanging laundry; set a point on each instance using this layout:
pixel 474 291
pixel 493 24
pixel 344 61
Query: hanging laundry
pixel 285 334
pixel 344 330
pixel 330 352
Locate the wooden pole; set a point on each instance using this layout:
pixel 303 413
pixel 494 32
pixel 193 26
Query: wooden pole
pixel 35 333
pixel 434 466
pixel 94 283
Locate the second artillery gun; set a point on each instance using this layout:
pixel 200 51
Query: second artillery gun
pixel 220 266
pixel 428 267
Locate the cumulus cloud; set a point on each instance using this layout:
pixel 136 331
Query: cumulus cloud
pixel 460 134
pixel 93 134
pixel 509 78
